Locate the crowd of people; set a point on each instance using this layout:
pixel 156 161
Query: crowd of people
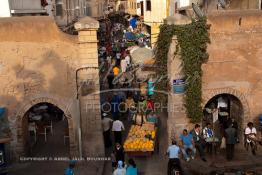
pixel 137 113
pixel 122 103
pixel 138 108
pixel 203 140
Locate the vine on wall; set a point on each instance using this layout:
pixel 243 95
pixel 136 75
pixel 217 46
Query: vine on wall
pixel 192 48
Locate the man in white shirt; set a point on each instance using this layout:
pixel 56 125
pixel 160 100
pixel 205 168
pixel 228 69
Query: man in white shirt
pixel 123 65
pixel 221 103
pixel 106 125
pixel 118 58
pixel 118 55
pixel 250 133
pixel 127 58
pixel 117 128
pixel 208 134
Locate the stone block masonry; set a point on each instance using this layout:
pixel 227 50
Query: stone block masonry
pixel 35 63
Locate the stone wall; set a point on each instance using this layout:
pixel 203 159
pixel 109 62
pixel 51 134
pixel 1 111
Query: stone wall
pixel 88 92
pixel 38 63
pixel 234 62
pixel 234 66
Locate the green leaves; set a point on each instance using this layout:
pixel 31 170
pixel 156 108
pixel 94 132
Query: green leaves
pixel 192 43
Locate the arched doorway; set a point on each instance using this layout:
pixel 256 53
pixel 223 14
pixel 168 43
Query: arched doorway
pixel 45 131
pixel 222 110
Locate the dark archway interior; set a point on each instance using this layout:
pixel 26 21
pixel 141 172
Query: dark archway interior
pixel 45 131
pixel 222 110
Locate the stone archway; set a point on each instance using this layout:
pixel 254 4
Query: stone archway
pixel 209 94
pixel 21 114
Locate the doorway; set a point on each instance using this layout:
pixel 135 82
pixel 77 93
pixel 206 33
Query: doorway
pixel 221 111
pixel 45 131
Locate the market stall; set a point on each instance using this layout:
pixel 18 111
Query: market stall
pixel 141 140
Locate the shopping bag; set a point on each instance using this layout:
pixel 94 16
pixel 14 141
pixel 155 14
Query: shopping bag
pixel 223 143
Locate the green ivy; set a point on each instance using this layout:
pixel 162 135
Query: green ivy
pixel 192 45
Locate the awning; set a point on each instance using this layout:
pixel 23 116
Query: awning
pixel 130 36
pixel 142 55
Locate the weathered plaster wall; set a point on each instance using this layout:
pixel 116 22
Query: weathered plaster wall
pixel 234 66
pixel 38 63
pixel 235 57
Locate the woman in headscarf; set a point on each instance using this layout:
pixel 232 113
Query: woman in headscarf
pixel 120 169
pixel 131 168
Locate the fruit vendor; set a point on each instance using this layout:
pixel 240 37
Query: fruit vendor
pixel 152 117
pixel 139 119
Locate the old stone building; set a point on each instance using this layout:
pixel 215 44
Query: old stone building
pixel 40 64
pixel 233 68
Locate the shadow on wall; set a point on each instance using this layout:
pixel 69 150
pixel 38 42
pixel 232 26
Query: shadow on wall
pixel 49 75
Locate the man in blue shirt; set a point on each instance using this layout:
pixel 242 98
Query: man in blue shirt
pixel 188 143
pixel 173 152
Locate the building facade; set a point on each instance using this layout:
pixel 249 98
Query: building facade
pixel 208 6
pixel 53 73
pixel 154 13
pixel 65 12
pixel 233 69
pixel 126 6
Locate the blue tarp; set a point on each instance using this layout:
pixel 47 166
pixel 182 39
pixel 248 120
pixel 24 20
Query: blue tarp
pixel 2 111
pixel 133 23
pixel 260 118
pixel 130 36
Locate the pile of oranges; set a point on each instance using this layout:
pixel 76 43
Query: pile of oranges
pixel 138 139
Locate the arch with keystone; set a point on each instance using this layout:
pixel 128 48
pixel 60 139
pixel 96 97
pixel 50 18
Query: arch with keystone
pixel 209 94
pixel 43 99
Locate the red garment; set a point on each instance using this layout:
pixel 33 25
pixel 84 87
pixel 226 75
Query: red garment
pixel 109 50
pixel 150 104
pixel 44 3
pixel 123 53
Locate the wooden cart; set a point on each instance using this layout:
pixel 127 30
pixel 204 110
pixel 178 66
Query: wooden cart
pixel 144 153
pixel 139 153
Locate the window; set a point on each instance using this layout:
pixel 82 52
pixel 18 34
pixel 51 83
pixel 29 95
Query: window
pixel 88 11
pixel 176 7
pixel 138 5
pixel 59 8
pixel 148 5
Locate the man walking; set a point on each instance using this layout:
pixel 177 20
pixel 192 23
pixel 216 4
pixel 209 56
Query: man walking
pixel 173 152
pixel 117 128
pixel 106 125
pixel 231 138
